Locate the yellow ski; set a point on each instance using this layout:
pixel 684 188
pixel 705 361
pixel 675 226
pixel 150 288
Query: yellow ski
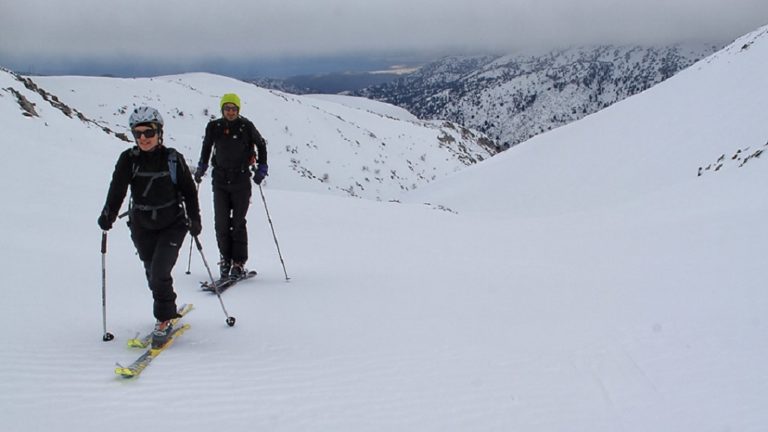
pixel 135 368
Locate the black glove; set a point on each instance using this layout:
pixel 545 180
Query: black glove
pixel 104 222
pixel 200 172
pixel 260 173
pixel 195 227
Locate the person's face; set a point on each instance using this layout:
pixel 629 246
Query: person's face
pixel 230 111
pixel 146 143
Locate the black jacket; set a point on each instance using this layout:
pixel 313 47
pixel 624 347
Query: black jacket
pixel 235 146
pixel 156 200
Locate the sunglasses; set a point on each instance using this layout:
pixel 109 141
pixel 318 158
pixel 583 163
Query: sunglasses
pixel 229 108
pixel 148 133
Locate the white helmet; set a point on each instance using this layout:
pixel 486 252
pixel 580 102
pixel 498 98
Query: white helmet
pixel 145 114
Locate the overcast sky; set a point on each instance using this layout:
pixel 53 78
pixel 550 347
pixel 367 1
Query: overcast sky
pixel 34 33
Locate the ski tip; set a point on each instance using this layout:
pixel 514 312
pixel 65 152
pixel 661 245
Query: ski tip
pixel 125 372
pixel 137 343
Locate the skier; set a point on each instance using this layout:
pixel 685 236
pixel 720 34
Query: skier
pixel 161 189
pixel 236 145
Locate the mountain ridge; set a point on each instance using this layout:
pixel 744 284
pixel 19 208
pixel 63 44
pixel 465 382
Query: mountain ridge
pixel 514 97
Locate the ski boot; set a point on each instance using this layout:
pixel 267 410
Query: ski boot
pixel 237 272
pixel 224 268
pixel 161 334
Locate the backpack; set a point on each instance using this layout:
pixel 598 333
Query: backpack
pixel 172 173
pixel 173 162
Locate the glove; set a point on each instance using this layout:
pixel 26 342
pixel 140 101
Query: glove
pixel 104 222
pixel 200 172
pixel 260 173
pixel 195 227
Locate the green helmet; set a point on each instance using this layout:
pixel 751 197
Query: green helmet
pixel 230 98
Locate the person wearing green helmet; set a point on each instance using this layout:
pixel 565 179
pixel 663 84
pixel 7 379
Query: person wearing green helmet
pixel 233 145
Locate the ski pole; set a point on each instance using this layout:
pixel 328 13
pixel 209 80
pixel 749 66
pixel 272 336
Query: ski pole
pixel 189 263
pixel 107 335
pixel 230 319
pixel 264 200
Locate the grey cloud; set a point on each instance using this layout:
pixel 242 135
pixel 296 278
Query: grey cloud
pixel 190 30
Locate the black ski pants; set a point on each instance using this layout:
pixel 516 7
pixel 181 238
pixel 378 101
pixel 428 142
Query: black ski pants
pixel 230 206
pixel 158 251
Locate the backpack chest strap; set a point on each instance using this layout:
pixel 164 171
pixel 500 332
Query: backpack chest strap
pixel 152 177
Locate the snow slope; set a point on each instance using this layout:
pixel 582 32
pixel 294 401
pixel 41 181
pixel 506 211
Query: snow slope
pixel 655 141
pixel 637 304
pixel 319 145
pixel 367 105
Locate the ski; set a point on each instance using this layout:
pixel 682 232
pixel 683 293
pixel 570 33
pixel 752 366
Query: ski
pixel 220 283
pixel 146 341
pixel 134 369
pixel 225 283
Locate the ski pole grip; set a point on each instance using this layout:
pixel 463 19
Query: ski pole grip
pixel 103 242
pixel 197 242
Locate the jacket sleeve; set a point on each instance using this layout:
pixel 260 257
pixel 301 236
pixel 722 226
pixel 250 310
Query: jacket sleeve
pixel 188 190
pixel 261 145
pixel 205 152
pixel 121 179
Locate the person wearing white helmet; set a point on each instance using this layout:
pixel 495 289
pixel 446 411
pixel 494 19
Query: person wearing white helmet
pixel 233 145
pixel 163 208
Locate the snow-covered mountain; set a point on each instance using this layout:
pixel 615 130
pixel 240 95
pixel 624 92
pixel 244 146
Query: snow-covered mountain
pixel 512 98
pixel 328 83
pixel 597 278
pixel 684 129
pixel 347 145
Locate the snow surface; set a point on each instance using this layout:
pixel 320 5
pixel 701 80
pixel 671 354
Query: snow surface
pixel 587 280
pixel 369 105
pixel 349 148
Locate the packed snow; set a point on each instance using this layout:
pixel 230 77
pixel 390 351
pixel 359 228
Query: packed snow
pixel 606 276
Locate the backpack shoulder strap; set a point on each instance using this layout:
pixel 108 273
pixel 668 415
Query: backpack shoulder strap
pixel 134 165
pixel 173 163
pixel 249 131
